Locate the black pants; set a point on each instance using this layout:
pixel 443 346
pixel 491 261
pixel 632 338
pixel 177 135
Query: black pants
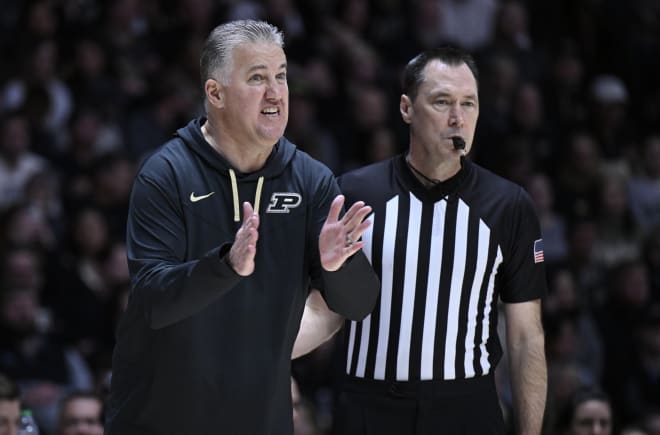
pixel 460 407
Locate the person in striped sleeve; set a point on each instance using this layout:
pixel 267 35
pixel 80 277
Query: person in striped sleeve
pixel 449 241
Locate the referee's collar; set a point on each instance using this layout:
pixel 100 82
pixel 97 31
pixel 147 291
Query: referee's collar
pixel 442 190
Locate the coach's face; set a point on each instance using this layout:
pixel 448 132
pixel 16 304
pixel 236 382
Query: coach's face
pixel 254 103
pixel 446 105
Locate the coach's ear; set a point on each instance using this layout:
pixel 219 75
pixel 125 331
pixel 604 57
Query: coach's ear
pixel 214 93
pixel 405 107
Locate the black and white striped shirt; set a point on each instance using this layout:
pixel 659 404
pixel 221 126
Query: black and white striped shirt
pixel 444 256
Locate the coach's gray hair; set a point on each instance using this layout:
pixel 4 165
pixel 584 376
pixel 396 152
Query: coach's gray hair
pixel 216 58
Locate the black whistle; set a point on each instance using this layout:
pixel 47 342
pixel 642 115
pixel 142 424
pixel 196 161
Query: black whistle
pixel 459 143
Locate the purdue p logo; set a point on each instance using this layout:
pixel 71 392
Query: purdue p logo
pixel 283 202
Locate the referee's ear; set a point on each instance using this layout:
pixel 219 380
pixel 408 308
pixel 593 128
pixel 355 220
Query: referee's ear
pixel 406 109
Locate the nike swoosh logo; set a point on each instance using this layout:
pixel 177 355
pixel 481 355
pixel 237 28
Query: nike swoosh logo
pixel 194 198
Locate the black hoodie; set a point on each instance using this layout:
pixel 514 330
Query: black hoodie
pixel 201 350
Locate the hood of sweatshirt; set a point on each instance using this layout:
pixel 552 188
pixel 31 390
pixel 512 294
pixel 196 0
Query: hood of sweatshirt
pixel 278 160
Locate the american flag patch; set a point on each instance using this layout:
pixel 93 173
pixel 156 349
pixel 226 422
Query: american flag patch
pixel 538 251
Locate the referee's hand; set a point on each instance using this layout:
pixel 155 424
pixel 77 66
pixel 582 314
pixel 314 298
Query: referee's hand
pixel 340 238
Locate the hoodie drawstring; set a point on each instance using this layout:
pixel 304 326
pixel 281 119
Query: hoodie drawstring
pixel 234 192
pixel 257 194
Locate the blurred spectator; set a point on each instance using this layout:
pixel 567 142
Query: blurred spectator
pixel 573 335
pixel 80 413
pixel 90 138
pixel 115 265
pixel 564 380
pixel 91 80
pixel 197 17
pixel 285 15
pixel 574 345
pixel 21 268
pixel 41 71
pixel 588 274
pixel 40 364
pixel 126 31
pixel 90 131
pixel 386 29
pixel 24 226
pixel 91 275
pixel 632 430
pixel 529 123
pixel 638 384
pixel 355 15
pixel 651 250
pixel 10 406
pixel 9 23
pixel 529 142
pixel 639 66
pixel 303 413
pixel 628 296
pixel 381 145
pixel 422 29
pixel 651 422
pixel 246 9
pixel 511 37
pixel 319 72
pixel 305 130
pixel 150 124
pixel 644 185
pixel 43 197
pixel 563 87
pixel 588 412
pixel 112 177
pixel 618 237
pixel 368 113
pixel 608 117
pixel 553 224
pixel 41 20
pixel 499 75
pixel 359 63
pixel 563 345
pixel 467 23
pixel 17 161
pixel 578 178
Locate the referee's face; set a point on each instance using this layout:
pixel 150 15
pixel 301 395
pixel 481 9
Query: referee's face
pixel 447 105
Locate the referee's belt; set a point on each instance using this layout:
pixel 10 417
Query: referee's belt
pixel 421 389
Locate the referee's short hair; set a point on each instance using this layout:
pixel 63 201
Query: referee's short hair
pixel 413 74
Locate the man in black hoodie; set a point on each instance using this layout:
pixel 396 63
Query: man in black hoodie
pixel 218 289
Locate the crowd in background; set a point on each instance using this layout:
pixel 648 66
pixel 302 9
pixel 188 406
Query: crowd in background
pixel 569 108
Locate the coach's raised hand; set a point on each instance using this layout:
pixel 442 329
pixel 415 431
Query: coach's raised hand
pixel 340 238
pixel 242 252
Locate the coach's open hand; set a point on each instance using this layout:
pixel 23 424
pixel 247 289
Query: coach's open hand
pixel 340 238
pixel 242 252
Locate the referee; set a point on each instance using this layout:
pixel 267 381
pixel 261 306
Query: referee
pixel 449 240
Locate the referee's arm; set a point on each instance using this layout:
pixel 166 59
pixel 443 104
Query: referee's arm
pixel 319 323
pixel 527 364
